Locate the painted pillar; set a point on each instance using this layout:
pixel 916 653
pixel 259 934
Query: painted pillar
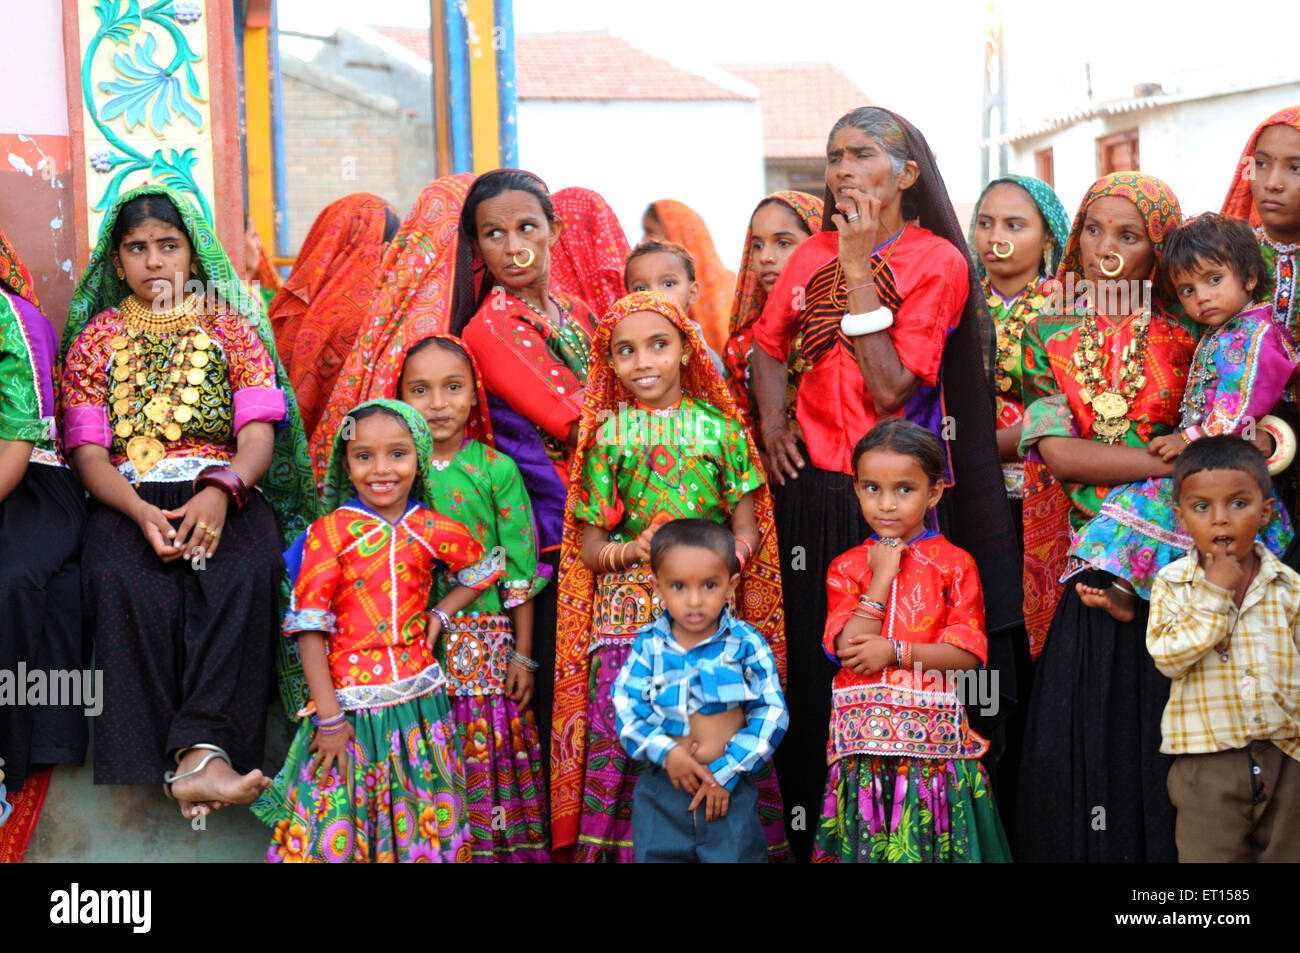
pixel 152 97
pixel 473 84
pixel 258 120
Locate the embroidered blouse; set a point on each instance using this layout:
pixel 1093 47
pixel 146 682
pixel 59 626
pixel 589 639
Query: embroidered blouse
pixel 365 583
pixel 238 387
pixel 1052 386
pixel 924 283
pixel 482 489
pixel 935 599
pixel 28 345
pixel 651 465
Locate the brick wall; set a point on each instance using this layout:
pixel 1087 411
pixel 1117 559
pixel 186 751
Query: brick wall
pixel 335 145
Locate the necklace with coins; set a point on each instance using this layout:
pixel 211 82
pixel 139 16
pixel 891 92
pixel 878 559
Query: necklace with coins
pixel 151 412
pixel 1110 403
pixel 1009 320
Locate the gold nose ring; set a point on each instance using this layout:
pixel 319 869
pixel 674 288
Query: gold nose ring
pixel 1004 255
pixel 527 261
pixel 1109 272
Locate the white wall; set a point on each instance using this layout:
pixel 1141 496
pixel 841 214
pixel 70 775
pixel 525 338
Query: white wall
pixel 708 154
pixel 1193 146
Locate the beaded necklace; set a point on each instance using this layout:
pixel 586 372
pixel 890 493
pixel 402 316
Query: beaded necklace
pixel 150 412
pixel 1009 320
pixel 1110 403
pixel 1284 292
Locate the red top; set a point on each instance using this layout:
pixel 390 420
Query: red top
pixel 935 598
pixel 924 284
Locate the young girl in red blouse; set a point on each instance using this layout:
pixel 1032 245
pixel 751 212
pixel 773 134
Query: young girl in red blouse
pixel 905 611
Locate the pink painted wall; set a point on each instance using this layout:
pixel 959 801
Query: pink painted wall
pixel 36 208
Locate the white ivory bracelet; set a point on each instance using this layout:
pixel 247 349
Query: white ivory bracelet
pixel 856 325
pixel 1284 438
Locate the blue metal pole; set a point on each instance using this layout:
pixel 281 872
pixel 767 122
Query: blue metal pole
pixel 460 125
pixel 277 138
pixel 506 98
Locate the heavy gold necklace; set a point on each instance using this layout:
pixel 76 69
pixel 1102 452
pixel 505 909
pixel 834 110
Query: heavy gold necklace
pixel 148 413
pixel 1110 405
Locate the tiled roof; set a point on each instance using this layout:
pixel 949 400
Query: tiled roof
pixel 800 102
pixel 600 66
pixel 585 66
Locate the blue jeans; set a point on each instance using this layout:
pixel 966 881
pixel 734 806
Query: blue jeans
pixel 664 831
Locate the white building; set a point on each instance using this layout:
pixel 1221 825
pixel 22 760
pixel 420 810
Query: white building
pixel 1191 139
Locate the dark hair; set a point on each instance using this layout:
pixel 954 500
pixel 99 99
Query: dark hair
pixel 702 533
pixel 371 410
pixel 653 245
pixel 1225 452
pixel 152 205
pixel 1211 237
pixel 391 223
pixel 903 436
pixel 465 299
pixel 773 200
pixel 423 345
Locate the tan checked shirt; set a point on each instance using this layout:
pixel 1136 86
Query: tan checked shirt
pixel 1216 705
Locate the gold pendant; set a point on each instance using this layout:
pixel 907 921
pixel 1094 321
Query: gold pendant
pixel 122 391
pixel 144 454
pixel 121 372
pixel 122 357
pixel 200 359
pixel 202 342
pixel 172 431
pixel 1110 405
pixel 121 407
pixel 157 409
pixel 195 377
pixel 119 342
pixel 182 414
pixel 190 395
pixel 122 428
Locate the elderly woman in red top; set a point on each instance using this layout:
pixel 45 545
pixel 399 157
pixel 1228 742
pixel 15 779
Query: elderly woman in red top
pixel 875 299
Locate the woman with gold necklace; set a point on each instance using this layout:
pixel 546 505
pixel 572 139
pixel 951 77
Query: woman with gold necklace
pixel 1102 376
pixel 171 400
pixel 1016 238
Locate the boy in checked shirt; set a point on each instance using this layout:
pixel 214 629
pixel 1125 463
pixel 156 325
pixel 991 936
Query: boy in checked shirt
pixel 1224 625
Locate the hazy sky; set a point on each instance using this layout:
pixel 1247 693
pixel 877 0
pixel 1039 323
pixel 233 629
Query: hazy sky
pixel 924 60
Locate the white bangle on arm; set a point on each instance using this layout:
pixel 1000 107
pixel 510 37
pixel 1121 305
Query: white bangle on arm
pixel 856 325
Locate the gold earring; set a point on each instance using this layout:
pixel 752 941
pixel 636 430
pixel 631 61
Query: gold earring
pixel 686 358
pixel 1047 259
pixel 121 272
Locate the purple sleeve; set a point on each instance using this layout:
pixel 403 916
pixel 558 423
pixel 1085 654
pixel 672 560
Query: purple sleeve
pixel 518 439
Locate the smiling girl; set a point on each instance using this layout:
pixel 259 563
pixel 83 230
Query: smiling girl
pixel 660 441
pixel 375 772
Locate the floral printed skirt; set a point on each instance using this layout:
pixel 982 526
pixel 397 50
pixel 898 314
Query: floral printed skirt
pixel 401 797
pixel 505 787
pixel 1136 534
pixel 909 810
pixel 605 827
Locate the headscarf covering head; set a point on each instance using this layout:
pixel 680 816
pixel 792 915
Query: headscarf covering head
pixel 1049 207
pixel 1240 203
pixel 747 303
pixel 1155 202
pixel 14 274
pixel 287 484
pixel 479 425
pixel 759 595
pixel 320 309
pixel 412 300
pixel 338 487
pixel 587 261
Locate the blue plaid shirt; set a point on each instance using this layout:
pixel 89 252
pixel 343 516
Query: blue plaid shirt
pixel 662 685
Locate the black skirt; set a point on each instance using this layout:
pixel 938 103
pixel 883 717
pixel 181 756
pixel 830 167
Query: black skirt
pixel 818 518
pixel 41 523
pixel 186 654
pixel 1092 778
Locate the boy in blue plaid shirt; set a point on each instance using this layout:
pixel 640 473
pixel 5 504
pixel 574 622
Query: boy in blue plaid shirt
pixel 699 698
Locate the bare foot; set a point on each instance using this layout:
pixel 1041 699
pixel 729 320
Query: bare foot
pixel 1121 605
pixel 215 786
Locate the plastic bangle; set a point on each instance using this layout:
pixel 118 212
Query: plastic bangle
pixel 442 617
pixel 1284 438
pixel 856 325
pixel 906 654
pixel 898 652
pixel 226 480
pixel 869 611
pixel 523 661
pixel 328 722
pixel 871 604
